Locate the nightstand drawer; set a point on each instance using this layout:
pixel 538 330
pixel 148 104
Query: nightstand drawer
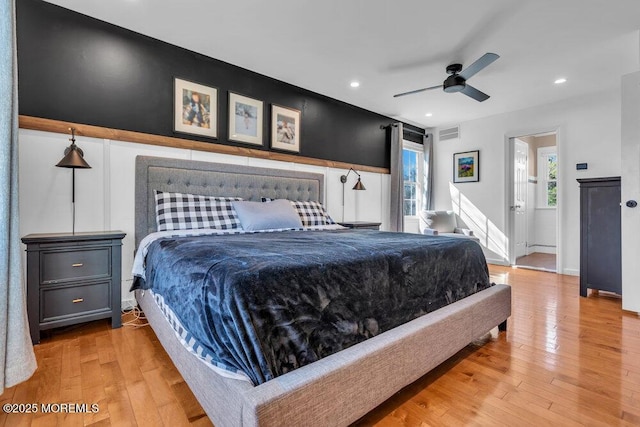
pixel 60 302
pixel 75 264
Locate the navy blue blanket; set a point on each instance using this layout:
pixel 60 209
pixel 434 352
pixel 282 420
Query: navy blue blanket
pixel 268 303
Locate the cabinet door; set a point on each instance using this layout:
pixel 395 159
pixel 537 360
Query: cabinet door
pixel 601 238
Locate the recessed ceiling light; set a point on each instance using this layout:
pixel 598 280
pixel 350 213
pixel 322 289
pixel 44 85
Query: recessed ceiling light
pixel 560 81
pixel 355 84
pixel 428 115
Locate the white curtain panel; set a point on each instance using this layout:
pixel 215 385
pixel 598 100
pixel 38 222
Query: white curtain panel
pixel 427 188
pixel 17 360
pixel 397 179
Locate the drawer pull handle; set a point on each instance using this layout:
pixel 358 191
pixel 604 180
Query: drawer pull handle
pixel 77 300
pixel 77 265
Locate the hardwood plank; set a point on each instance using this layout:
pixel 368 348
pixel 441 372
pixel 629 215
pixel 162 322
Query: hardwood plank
pixel 71 392
pixel 88 349
pixel 71 358
pixel 104 349
pixel 128 364
pixel 46 420
pixel 7 397
pixel 160 389
pixel 144 409
pixel 465 410
pixel 188 401
pixel 530 412
pixel 117 396
pixel 144 349
pixel 201 422
pixel 173 415
pixel 93 391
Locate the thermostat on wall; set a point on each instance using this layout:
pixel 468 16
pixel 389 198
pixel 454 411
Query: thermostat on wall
pixel 581 166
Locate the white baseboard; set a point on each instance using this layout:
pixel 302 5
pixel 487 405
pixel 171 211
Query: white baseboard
pixel 541 249
pixel 571 272
pixel 497 261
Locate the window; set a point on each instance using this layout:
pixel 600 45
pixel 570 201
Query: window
pixel 412 161
pixel 547 177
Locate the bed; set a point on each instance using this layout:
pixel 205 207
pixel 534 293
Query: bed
pixel 364 374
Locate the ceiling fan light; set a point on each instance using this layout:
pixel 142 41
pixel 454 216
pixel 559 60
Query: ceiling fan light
pixel 454 83
pixel 453 88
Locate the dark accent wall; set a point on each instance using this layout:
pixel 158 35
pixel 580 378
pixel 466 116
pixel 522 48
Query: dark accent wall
pixel 75 68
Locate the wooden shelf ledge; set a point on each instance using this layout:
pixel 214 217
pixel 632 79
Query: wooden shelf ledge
pixel 58 126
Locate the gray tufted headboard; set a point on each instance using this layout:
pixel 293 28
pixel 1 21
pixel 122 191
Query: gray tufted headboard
pixel 215 179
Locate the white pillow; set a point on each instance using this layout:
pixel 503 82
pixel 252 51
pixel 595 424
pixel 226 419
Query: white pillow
pixel 441 221
pixel 267 216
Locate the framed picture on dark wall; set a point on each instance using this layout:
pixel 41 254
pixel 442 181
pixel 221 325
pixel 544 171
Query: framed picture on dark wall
pixel 285 128
pixel 245 119
pixel 195 108
pixel 466 166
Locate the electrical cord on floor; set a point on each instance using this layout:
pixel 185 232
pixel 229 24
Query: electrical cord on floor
pixel 139 319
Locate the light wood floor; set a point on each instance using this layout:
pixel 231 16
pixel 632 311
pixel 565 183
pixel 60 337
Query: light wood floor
pixel 538 260
pixel 564 361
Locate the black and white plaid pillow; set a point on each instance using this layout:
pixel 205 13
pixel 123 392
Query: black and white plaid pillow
pixel 312 213
pixel 178 211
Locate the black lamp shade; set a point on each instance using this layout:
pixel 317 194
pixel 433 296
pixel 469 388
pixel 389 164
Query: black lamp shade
pixel 359 185
pixel 73 159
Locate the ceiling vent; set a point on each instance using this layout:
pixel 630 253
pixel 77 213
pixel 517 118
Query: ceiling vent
pixel 450 133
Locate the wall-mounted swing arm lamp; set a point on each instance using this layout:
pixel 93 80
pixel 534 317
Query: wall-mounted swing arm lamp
pixel 359 185
pixel 73 159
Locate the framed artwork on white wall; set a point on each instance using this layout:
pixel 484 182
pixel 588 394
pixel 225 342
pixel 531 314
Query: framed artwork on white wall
pixel 466 166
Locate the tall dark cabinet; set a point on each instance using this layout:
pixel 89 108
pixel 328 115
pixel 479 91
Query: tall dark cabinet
pixel 600 235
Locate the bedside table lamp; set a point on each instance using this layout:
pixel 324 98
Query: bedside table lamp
pixel 359 185
pixel 73 159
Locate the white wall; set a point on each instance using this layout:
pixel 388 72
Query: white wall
pixel 541 224
pixel 630 188
pixel 105 193
pixel 588 131
pixel 544 237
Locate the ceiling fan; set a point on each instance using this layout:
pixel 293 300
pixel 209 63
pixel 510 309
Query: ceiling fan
pixel 457 81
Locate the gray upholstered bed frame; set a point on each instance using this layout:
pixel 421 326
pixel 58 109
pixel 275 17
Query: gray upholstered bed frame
pixel 338 389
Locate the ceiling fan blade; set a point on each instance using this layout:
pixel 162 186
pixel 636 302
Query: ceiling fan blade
pixel 416 91
pixel 484 61
pixel 474 93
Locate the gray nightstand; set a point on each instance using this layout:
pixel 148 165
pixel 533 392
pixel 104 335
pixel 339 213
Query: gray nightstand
pixel 361 225
pixel 72 278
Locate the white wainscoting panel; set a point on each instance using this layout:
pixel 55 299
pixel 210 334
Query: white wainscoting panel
pixel 105 198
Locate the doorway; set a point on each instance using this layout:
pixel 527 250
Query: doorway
pixel 534 201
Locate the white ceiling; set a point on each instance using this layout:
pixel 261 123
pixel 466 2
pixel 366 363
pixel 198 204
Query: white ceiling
pixel 396 46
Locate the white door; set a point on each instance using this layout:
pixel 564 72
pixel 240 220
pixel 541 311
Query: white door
pixel 520 170
pixel 630 189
